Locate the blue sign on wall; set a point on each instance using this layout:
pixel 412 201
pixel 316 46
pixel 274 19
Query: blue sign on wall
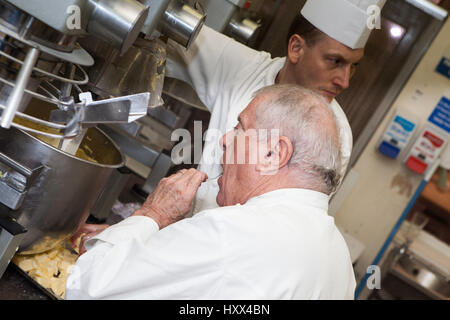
pixel 444 67
pixel 441 115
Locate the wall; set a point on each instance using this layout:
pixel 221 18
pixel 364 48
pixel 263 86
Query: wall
pixel 383 187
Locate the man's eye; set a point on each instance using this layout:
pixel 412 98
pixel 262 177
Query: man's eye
pixel 334 61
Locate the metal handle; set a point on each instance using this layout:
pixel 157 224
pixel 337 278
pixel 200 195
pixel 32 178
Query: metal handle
pixel 28 171
pixel 19 89
pixel 15 179
pixel 11 163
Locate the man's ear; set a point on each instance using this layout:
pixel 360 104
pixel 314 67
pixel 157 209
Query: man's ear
pixel 295 48
pixel 277 156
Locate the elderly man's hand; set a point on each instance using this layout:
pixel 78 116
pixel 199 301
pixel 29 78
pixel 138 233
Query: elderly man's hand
pixel 172 198
pixel 85 232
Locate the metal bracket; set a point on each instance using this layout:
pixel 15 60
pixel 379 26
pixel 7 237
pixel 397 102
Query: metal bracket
pixel 11 235
pixel 15 179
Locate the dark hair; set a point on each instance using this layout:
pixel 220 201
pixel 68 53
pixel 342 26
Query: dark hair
pixel 305 29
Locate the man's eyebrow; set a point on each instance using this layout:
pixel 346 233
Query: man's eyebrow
pixel 340 57
pixel 337 56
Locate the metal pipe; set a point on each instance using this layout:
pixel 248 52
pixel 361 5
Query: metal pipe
pixel 244 29
pixel 182 23
pixel 19 89
pixel 117 22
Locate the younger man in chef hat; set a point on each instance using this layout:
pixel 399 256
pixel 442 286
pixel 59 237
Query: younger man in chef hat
pixel 326 44
pixel 326 41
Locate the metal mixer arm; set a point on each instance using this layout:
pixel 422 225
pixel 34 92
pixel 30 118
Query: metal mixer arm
pixel 124 109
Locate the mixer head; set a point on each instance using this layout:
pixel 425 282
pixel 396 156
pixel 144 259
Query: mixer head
pixel 42 58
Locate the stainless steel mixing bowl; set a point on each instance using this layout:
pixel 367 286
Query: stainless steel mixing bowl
pixel 57 189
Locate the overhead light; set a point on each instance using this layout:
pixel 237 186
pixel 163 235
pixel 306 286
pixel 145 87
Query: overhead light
pixel 396 31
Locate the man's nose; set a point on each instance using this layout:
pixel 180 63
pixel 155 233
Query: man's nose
pixel 342 80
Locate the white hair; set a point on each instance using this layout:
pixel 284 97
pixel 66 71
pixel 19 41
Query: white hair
pixel 306 119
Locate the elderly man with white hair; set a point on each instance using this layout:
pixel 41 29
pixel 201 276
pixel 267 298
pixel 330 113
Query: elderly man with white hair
pixel 271 237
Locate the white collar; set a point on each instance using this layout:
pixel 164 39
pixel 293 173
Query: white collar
pixel 296 196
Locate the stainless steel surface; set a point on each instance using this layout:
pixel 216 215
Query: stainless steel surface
pixel 75 117
pixel 110 194
pixel 18 86
pixel 56 13
pixel 117 22
pixel 131 146
pixel 47 190
pixel 65 48
pixel 182 23
pixel 64 191
pixel 11 234
pixel 130 128
pixel 243 29
pixel 123 109
pixel 17 93
pixel 421 277
pixel 9 72
pixel 155 15
pixel 159 170
pixel 183 92
pixel 15 52
pixel 151 156
pixel 71 146
pixel 165 116
pixel 51 75
pixel 141 69
pixel 219 13
pixel 15 178
pixel 29 27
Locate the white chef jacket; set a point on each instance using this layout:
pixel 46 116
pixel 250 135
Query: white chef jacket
pixel 225 74
pixel 280 245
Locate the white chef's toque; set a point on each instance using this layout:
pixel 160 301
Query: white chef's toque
pixel 348 21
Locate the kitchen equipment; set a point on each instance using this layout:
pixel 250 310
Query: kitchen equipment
pixel 60 189
pixel 243 29
pixel 182 23
pixel 417 223
pixel 232 17
pixel 418 275
pixel 116 21
pixel 54 161
pixel 140 69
